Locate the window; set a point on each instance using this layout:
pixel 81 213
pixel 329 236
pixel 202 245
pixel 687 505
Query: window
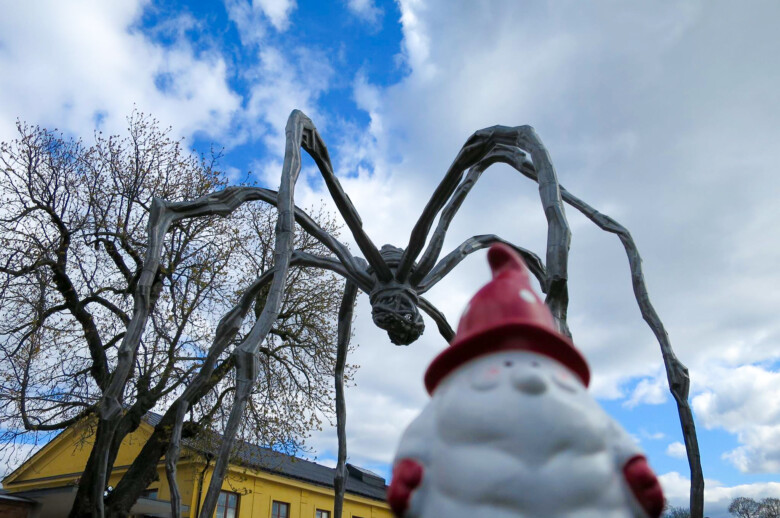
pixel 227 505
pixel 321 514
pixel 149 493
pixel 280 510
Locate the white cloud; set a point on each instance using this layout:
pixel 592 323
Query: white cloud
pixel 278 11
pixel 760 452
pixel 279 84
pixel 416 42
pixel 249 20
pixel 252 16
pixel 366 10
pixel 744 401
pixel 717 497
pixel 735 396
pixel 653 436
pixel 676 450
pixel 649 391
pixel 68 65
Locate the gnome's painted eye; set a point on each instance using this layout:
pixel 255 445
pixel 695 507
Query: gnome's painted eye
pixel 487 377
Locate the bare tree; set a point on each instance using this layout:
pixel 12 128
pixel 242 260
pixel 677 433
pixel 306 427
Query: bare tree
pixel 677 512
pixel 770 507
pixel 74 267
pixel 744 507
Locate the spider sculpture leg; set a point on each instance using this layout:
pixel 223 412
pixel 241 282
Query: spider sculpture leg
pixel 314 145
pixel 482 149
pixel 510 146
pixel 246 353
pixel 676 372
pixel 344 333
pixel 472 244
pixel 300 133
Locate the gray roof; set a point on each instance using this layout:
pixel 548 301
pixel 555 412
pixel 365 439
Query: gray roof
pixel 8 497
pixel 360 481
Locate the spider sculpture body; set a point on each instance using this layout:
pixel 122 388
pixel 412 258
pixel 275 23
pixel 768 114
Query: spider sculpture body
pixel 394 305
pixel 394 278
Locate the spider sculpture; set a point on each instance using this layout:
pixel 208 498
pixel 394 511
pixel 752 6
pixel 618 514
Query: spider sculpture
pixel 394 278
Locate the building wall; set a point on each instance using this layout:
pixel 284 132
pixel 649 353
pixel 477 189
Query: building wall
pixel 15 510
pixel 257 490
pixel 61 462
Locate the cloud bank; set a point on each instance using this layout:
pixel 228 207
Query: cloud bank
pixel 660 115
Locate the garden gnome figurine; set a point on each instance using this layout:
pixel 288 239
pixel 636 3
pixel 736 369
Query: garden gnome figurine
pixel 510 430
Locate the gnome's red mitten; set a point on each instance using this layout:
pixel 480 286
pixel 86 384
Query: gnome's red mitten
pixel 407 475
pixel 645 486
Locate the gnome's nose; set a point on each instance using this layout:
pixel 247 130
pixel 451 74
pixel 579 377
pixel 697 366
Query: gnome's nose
pixel 528 382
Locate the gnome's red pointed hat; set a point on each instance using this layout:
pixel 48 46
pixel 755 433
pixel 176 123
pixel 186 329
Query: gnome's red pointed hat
pixel 506 314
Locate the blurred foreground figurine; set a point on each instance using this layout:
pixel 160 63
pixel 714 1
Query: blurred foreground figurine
pixel 511 430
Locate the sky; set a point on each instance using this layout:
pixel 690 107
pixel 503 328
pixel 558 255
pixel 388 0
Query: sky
pixel 662 114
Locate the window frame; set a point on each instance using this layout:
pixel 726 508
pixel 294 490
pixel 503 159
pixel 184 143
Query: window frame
pixel 286 504
pixel 318 513
pixel 227 502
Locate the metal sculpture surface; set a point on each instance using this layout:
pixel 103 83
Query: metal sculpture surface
pixel 395 280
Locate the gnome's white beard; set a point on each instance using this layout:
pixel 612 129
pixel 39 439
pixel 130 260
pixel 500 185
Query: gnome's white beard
pixel 531 427
pixel 515 434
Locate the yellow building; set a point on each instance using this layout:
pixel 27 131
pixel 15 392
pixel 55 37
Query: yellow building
pixel 260 483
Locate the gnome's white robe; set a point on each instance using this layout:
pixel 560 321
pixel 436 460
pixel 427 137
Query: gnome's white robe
pixel 515 434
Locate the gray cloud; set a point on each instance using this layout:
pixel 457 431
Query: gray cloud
pixel 659 114
pixel 743 400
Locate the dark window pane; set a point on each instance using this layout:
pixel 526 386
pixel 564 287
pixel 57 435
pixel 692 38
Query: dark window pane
pixel 227 505
pixel 280 510
pixel 149 493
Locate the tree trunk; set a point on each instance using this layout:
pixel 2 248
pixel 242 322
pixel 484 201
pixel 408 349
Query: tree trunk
pixel 84 505
pixel 142 472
